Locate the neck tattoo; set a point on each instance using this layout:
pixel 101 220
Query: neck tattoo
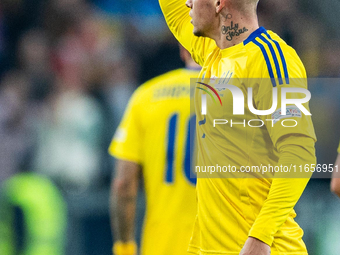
pixel 233 30
pixel 228 16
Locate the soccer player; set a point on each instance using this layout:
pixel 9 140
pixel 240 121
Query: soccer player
pixel 335 183
pixel 247 216
pixel 153 141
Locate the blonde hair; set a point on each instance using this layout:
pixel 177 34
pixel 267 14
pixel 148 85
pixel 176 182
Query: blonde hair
pixel 245 6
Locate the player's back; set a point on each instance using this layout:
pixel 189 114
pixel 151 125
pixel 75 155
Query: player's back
pixel 161 109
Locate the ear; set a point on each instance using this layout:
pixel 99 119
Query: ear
pixel 220 4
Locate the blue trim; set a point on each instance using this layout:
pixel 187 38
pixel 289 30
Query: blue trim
pixel 254 34
pixel 202 122
pixel 277 66
pixel 169 174
pixel 189 149
pixel 270 70
pixel 284 64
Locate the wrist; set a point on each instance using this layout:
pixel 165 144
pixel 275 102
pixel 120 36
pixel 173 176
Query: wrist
pixel 125 248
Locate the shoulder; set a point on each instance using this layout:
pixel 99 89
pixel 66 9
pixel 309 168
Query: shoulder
pixel 270 56
pixel 293 61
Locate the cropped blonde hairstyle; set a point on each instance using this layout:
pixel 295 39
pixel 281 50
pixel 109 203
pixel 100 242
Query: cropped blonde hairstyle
pixel 245 6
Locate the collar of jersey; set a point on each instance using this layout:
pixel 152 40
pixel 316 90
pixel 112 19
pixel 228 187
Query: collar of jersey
pixel 237 47
pixel 193 68
pixel 254 34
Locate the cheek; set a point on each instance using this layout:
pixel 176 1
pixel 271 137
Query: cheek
pixel 205 10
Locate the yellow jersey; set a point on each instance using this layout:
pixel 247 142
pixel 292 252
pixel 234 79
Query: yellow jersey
pixel 154 133
pixel 339 148
pixel 232 209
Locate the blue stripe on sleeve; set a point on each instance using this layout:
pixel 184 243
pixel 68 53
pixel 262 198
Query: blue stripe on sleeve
pixel 276 62
pixel 270 70
pixel 284 64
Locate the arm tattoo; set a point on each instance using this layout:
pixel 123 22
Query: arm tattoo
pixel 233 30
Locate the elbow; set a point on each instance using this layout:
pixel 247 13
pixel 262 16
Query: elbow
pixel 335 187
pixel 336 192
pixel 123 188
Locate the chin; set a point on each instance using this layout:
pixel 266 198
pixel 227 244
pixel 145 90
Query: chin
pixel 198 32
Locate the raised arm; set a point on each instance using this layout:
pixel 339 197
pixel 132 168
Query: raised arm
pixel 177 17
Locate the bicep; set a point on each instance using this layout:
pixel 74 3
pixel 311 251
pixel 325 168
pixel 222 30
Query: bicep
pixel 279 122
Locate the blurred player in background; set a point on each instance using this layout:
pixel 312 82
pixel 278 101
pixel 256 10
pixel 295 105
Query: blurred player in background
pixel 153 141
pixel 335 183
pixel 247 216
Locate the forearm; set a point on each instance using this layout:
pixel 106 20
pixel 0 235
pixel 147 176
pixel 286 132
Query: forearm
pixel 174 11
pixel 123 210
pixel 286 190
pixel 177 17
pixel 335 183
pixel 123 199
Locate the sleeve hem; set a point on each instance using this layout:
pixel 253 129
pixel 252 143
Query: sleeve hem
pixel 126 157
pixel 262 237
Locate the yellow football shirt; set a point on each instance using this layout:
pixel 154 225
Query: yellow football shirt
pixel 231 209
pixel 155 133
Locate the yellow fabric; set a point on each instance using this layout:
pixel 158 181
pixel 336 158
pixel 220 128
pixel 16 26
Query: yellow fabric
pixel 230 210
pixel 339 149
pixel 120 248
pixel 44 211
pixel 143 137
pixel 178 20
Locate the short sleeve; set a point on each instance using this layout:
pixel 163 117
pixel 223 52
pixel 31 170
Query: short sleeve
pixel 127 141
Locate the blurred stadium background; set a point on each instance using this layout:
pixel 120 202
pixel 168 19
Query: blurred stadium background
pixel 67 69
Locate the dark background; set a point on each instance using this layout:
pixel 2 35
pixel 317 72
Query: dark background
pixel 68 68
